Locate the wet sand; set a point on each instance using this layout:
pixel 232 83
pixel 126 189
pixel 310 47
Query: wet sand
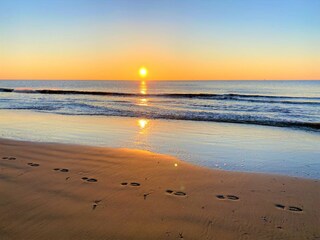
pixel 56 191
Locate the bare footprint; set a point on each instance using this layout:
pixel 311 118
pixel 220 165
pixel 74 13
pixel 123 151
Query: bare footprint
pixel 232 197
pixel 9 158
pixel 180 193
pixel 92 180
pixel 228 197
pixel 145 195
pixel 220 196
pixel 280 206
pixel 34 164
pixel 289 208
pixel 176 193
pixel 294 209
pixel 61 169
pixel 95 204
pixel 133 184
pixel 89 179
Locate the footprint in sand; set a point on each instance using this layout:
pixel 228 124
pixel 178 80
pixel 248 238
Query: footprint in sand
pixel 294 209
pixel 289 208
pixel 9 158
pixel 34 164
pixel 227 197
pixel 176 193
pixel 220 197
pixel 145 195
pixel 280 206
pixel 133 184
pixel 95 204
pixel 232 197
pixel 89 179
pixel 61 169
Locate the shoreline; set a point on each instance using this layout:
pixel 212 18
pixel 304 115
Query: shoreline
pixel 194 165
pixel 66 191
pixel 215 145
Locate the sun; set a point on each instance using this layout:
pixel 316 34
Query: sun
pixel 143 72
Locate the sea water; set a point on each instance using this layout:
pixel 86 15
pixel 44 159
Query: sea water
pixel 258 126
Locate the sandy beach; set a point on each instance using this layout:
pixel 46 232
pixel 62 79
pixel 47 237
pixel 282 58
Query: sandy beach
pixel 56 191
pixel 159 120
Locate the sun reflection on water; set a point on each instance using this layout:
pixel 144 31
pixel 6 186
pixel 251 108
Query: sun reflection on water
pixel 141 139
pixel 142 136
pixel 143 123
pixel 143 88
pixel 143 101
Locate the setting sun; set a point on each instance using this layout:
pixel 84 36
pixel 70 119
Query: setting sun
pixel 143 72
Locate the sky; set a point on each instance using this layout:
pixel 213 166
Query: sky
pixel 173 39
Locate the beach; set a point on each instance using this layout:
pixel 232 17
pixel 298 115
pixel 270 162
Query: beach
pixel 159 120
pixel 64 191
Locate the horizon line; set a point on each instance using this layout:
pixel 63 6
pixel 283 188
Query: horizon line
pixel 148 80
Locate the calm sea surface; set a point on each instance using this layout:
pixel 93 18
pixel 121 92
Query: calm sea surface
pixel 289 104
pixel 260 126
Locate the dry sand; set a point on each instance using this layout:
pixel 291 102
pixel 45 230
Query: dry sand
pixel 106 193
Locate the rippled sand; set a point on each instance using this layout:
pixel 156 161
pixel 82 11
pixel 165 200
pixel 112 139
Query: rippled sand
pixel 55 191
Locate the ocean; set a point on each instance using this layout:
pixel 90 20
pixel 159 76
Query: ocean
pixel 282 103
pixel 204 122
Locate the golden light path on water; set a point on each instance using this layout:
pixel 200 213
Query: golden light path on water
pixel 143 102
pixel 143 87
pixel 142 123
pixel 142 136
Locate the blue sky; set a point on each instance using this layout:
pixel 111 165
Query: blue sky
pixel 206 33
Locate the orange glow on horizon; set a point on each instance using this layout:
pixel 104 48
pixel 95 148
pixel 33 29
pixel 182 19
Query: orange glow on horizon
pixel 165 66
